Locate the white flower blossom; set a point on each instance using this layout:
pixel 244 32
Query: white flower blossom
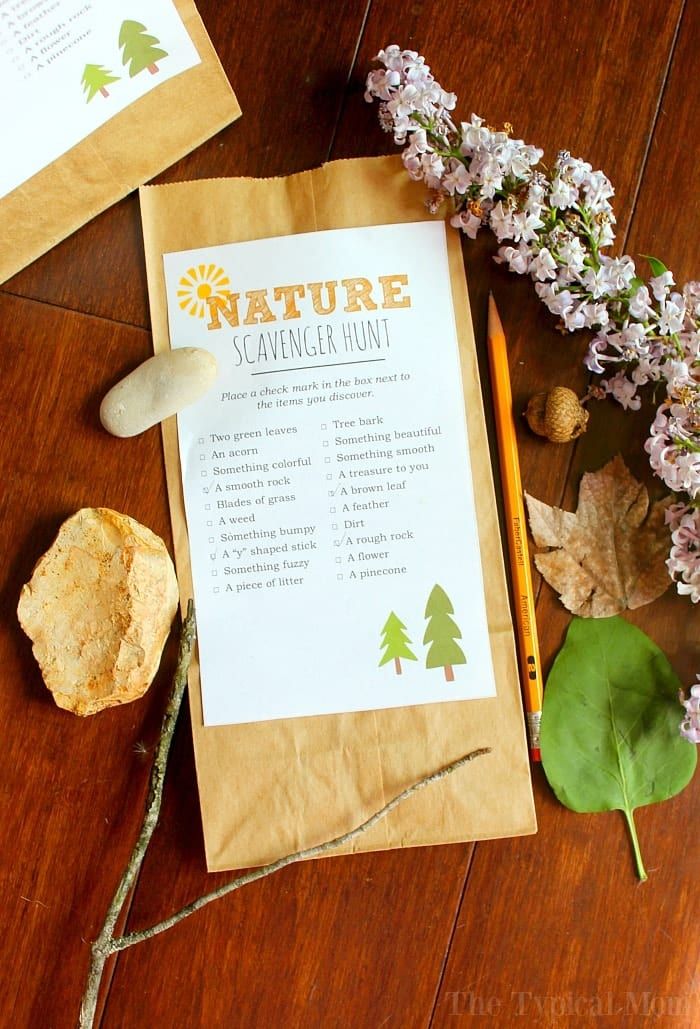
pixel 457 179
pixel 597 190
pixel 677 375
pixel 672 315
pixel 517 258
pixel 433 169
pixel 691 295
pixel 526 226
pixel 501 221
pixel 596 355
pixel 543 266
pixel 619 271
pixel 572 256
pixel 640 304
pixel 474 135
pixel 660 284
pixel 690 725
pixel 562 194
pixel 624 391
pixel 595 315
pixel 467 221
pixel 380 84
pixel 596 282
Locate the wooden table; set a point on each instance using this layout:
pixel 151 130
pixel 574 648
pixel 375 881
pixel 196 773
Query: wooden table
pixel 546 930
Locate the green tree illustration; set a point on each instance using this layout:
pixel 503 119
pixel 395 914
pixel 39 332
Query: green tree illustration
pixel 395 640
pixel 140 50
pixel 441 633
pixel 95 80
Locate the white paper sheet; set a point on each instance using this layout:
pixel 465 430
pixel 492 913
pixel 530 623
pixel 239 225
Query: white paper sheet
pixel 327 477
pixel 67 67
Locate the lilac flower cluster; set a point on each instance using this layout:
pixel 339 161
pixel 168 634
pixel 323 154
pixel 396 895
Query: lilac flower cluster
pixel 554 225
pixel 690 726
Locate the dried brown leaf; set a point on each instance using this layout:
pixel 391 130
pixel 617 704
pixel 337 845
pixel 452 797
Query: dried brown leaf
pixel 548 525
pixel 611 554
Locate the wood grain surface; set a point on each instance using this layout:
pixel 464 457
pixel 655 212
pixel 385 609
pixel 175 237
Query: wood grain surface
pixel 549 930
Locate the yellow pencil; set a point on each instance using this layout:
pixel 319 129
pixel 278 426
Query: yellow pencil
pixel 523 594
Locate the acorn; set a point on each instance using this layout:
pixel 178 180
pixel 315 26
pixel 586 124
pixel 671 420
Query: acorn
pixel 559 415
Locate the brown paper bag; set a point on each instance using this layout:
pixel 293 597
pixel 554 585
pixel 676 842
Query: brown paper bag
pixel 270 788
pixel 165 124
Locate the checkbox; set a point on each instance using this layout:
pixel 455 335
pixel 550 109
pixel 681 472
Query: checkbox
pixel 204 473
pixel 216 589
pixel 207 507
pixel 323 425
pixel 325 442
pixel 339 575
pixel 200 440
pixel 336 543
pixel 210 521
pixel 329 476
pixel 205 488
pixel 334 525
pixel 338 560
pixel 327 460
pixel 202 457
pixel 213 556
pixel 214 571
pixel 211 538
pixel 332 510
pixel 331 493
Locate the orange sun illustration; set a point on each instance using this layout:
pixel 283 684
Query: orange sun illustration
pixel 200 283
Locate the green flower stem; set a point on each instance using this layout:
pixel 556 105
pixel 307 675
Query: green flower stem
pixel 588 231
pixel 641 870
pixel 686 445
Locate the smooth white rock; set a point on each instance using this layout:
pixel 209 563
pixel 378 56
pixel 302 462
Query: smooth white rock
pixel 157 389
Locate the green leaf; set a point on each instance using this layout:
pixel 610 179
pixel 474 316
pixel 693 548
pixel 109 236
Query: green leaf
pixel 610 720
pixel 657 266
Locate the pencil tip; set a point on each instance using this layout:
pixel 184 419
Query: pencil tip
pixel 494 324
pixel 493 310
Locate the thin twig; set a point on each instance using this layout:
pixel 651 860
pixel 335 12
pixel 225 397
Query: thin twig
pixel 103 945
pixel 123 942
pixel 106 943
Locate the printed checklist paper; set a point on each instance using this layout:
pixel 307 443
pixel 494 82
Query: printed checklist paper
pixel 70 66
pixel 327 477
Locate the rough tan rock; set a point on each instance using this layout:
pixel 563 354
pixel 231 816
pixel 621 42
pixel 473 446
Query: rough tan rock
pixel 98 610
